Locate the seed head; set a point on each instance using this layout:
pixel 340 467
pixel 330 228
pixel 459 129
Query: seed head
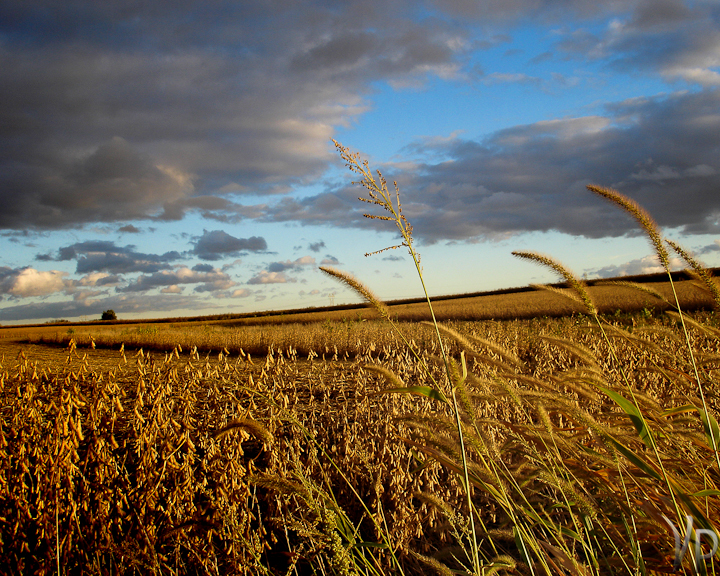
pixel 642 217
pixel 359 287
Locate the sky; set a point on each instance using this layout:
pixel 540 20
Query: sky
pixel 176 158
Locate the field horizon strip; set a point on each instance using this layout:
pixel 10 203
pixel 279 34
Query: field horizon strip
pixel 507 303
pixel 346 329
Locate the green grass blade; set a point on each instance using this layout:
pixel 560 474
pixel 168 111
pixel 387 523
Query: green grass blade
pixel 710 425
pixel 634 458
pixel 633 413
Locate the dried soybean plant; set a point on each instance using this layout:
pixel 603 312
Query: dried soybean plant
pixel 181 463
pixel 119 470
pixel 576 471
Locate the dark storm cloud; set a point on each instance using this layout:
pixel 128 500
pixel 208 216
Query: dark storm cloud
pixel 108 280
pixel 210 207
pixel 112 182
pixel 337 208
pixel 203 268
pixel 115 113
pixel 715 247
pixel 381 54
pixel 105 256
pixel 507 10
pixel 217 244
pixel 664 152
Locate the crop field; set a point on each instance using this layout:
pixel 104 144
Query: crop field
pixel 173 461
pixel 558 432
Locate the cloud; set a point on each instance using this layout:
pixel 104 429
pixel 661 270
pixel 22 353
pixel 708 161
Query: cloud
pixel 647 265
pixel 28 282
pixel 329 261
pixel 210 207
pixel 266 277
pixel 241 293
pixel 106 256
pixel 129 229
pixel 230 265
pixel 217 244
pixel 714 247
pixel 404 56
pixel 211 280
pixel 316 246
pixel 678 40
pixel 97 279
pixel 110 123
pixel 532 177
pixel 292 265
pixel 113 182
pixel 158 116
pixel 659 174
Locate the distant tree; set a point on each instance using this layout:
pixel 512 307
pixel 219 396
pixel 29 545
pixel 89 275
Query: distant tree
pixel 109 315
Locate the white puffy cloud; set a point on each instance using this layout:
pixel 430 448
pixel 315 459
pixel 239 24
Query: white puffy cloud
pixel 646 265
pixel 266 277
pixel 93 279
pixel 28 282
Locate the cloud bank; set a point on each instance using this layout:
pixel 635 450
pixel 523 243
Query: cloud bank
pixel 532 177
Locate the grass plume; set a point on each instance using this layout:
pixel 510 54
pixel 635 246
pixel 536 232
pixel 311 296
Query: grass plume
pixel 641 216
pixel 363 291
pixel 577 285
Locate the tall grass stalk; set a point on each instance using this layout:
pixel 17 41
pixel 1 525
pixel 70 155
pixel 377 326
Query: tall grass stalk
pixel 379 195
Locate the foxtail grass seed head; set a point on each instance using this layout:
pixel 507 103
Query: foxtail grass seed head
pixel 249 425
pixel 352 282
pixel 635 286
pixel 572 281
pixel 700 270
pixel 642 217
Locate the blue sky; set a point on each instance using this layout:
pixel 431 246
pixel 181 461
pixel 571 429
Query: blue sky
pixel 176 159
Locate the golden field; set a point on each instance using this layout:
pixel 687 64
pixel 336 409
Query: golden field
pixel 195 455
